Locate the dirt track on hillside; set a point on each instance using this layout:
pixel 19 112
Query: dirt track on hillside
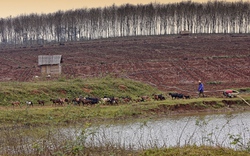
pixel 171 63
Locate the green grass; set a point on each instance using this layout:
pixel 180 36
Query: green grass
pixel 70 114
pixel 97 87
pixel 108 86
pixel 194 151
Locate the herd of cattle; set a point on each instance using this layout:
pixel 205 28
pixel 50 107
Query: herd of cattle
pixel 105 100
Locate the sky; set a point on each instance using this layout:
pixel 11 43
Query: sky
pixel 13 8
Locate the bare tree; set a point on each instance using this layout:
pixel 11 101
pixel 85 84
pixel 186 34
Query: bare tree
pixel 126 20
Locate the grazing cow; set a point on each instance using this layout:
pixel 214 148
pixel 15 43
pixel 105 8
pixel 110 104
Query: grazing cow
pixel 66 100
pixel 29 103
pixel 113 100
pixel 176 95
pixel 41 102
pixel 126 99
pixel 137 100
pixel 187 96
pixel 86 101
pixel 158 97
pixel 93 100
pixel 57 101
pixel 144 98
pixel 105 100
pixel 16 103
pixel 77 101
pixel 109 100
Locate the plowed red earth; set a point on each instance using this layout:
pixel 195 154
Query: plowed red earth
pixel 171 63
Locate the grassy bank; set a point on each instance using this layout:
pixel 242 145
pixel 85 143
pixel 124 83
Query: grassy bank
pixel 62 88
pixel 40 115
pixel 108 86
pixel 194 151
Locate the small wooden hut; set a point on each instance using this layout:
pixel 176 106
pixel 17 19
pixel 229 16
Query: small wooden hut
pixel 50 64
pixel 184 33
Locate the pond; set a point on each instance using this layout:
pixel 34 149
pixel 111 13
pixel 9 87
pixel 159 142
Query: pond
pixel 224 130
pixel 221 129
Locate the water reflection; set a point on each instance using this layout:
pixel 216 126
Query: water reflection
pixel 199 130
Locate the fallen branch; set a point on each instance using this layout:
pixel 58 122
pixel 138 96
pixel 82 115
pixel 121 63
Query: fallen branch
pixel 243 100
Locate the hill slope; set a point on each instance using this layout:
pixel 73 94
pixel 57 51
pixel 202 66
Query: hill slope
pixel 172 63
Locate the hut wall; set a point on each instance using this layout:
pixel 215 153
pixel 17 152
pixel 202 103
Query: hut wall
pixel 51 69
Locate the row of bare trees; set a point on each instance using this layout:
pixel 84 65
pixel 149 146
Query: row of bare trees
pixel 126 20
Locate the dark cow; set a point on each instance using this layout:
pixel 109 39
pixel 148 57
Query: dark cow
pixel 86 101
pixel 113 101
pixel 40 102
pixel 57 101
pixel 176 95
pixel 158 97
pixel 187 96
pixel 91 100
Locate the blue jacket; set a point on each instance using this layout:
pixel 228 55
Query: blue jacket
pixel 201 87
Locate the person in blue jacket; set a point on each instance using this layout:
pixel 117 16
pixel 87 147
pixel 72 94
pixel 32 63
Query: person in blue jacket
pixel 201 89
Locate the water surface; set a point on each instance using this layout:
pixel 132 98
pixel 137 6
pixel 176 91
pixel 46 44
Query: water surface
pixel 212 130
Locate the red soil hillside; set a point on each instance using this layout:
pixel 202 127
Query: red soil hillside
pixel 172 63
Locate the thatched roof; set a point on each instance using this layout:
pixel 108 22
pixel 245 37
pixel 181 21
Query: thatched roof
pixel 49 59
